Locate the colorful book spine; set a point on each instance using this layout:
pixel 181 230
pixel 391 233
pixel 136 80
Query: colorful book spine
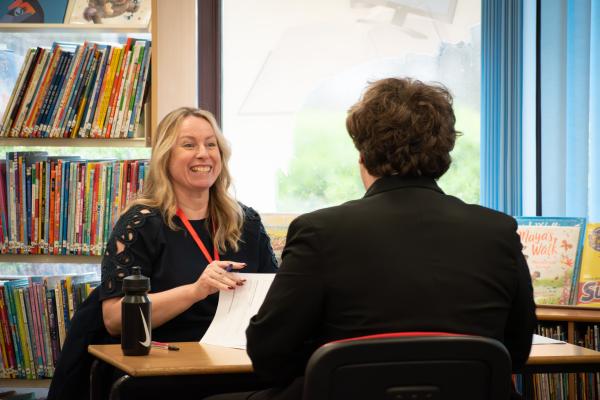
pixel 77 90
pixel 11 170
pixel 31 330
pixel 23 329
pixel 66 91
pixel 80 108
pixel 28 91
pixel 52 318
pixel 8 350
pixel 589 280
pixel 10 292
pixel 117 89
pixel 38 94
pixel 107 89
pixel 128 80
pixel 100 82
pixel 46 126
pixel 45 104
pixel 6 122
pixel 140 93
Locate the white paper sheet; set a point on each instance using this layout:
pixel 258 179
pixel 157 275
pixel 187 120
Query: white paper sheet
pixel 537 339
pixel 235 308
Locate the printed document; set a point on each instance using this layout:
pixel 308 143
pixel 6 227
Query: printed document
pixel 537 339
pixel 235 308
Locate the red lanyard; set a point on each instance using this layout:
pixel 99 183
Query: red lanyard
pixel 197 239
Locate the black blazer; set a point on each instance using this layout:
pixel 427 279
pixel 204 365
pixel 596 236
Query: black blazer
pixel 406 257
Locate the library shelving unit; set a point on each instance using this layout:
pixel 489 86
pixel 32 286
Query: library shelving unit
pixel 576 322
pixel 571 317
pixel 172 80
pixel 173 83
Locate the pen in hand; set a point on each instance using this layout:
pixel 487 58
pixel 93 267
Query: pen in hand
pixel 229 268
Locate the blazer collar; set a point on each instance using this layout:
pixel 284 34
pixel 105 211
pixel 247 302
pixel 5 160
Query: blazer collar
pixel 394 182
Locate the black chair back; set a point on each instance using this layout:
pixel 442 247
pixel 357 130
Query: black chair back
pixel 410 366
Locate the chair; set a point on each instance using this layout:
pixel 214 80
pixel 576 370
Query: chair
pixel 409 366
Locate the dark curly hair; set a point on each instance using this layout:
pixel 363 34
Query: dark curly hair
pixel 404 127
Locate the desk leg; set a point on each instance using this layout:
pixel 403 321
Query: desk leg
pixel 116 387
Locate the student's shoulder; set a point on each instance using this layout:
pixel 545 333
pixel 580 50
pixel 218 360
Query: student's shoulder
pixel 330 217
pixel 489 217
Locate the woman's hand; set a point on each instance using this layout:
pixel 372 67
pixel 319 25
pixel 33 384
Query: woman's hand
pixel 217 276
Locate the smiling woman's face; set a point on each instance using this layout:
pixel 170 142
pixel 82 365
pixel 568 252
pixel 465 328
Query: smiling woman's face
pixel 195 160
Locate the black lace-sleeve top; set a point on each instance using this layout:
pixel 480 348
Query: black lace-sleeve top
pixel 171 258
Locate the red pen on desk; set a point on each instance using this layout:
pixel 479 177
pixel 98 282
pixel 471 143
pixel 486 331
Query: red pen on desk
pixel 164 346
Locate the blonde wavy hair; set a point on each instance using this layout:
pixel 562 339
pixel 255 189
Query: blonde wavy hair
pixel 223 210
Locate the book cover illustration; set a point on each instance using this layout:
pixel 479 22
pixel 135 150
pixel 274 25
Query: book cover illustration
pixel 33 11
pixel 589 280
pixel 110 12
pixel 552 247
pixel 276 226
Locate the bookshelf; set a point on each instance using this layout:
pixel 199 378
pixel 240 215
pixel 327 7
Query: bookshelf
pixel 574 321
pixel 571 316
pixel 173 34
pixel 173 82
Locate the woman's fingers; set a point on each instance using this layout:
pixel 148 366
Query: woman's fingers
pixel 229 265
pixel 222 279
pixel 220 276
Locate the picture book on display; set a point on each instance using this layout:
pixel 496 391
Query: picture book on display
pixel 276 225
pixel 33 11
pixel 111 12
pixel 589 278
pixel 552 247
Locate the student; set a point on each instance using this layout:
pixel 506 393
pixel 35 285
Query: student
pixel 184 194
pixel 405 257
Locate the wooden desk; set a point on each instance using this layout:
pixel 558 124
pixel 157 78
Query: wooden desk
pixel 562 358
pixel 204 367
pixel 210 361
pixel 191 359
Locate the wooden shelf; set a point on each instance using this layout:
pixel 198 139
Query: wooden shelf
pixel 49 259
pixel 24 383
pixel 23 27
pixel 568 313
pixel 74 142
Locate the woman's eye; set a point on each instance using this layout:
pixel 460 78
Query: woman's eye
pixel 188 145
pixel 211 144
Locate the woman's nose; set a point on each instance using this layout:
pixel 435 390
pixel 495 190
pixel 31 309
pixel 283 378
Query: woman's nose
pixel 201 152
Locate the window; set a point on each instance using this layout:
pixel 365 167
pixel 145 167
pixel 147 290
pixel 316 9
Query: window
pixel 291 70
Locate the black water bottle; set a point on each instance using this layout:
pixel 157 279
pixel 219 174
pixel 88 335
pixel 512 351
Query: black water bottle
pixel 136 327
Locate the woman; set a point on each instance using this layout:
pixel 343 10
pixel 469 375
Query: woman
pixel 185 231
